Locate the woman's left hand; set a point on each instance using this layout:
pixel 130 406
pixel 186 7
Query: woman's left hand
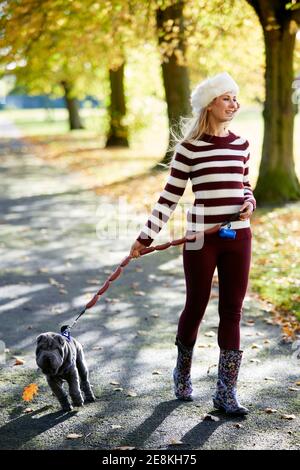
pixel 247 207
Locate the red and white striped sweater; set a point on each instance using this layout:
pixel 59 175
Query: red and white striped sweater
pixel 219 171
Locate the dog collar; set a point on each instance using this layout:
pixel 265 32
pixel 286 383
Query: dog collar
pixel 66 334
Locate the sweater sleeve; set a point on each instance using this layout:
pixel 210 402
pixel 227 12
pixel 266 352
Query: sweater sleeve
pixel 168 199
pixel 248 192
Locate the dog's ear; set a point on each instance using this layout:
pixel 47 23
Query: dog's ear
pixel 61 340
pixel 41 337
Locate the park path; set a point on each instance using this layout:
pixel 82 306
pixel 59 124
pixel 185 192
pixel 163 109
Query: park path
pixel 52 259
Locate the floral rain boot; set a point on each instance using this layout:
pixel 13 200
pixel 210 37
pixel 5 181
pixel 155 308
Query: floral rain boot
pixel 225 397
pixel 182 372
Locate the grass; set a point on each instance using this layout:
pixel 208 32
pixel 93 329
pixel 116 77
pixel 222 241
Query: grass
pixel 275 273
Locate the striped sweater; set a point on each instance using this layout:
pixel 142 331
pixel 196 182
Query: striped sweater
pixel 219 171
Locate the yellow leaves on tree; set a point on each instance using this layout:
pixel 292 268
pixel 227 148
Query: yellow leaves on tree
pixel 29 392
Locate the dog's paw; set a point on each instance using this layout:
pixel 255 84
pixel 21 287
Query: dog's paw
pixel 67 407
pixel 78 403
pixel 90 399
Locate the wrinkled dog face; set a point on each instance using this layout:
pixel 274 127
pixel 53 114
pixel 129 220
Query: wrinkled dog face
pixel 50 352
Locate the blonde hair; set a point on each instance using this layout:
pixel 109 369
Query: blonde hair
pixel 190 128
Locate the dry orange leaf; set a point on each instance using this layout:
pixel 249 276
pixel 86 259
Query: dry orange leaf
pixel 19 362
pixel 29 392
pixel 270 410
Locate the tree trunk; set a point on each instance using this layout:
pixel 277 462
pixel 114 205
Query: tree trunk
pixel 72 107
pixel 277 180
pixel 174 68
pixel 118 132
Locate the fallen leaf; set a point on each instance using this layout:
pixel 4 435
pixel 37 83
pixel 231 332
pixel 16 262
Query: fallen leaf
pixel 142 333
pixel 209 417
pixel 131 394
pixel 114 382
pixel 156 372
pixel 297 383
pixel 139 292
pixel 116 426
pixel 118 389
pixel 155 315
pixel 202 345
pixel 74 436
pixel 255 346
pixel 270 410
pixel 269 378
pixel 124 448
pixel 53 282
pixel 175 442
pixel 29 392
pixel 257 361
pixel 92 281
pixel 28 410
pixel 288 417
pixel 294 389
pixel 249 322
pixel 134 285
pixel 267 341
pixel 19 362
pixel 43 270
pixel 238 426
pixel 210 334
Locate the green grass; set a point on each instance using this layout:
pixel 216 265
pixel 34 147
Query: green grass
pixel 52 121
pixel 275 272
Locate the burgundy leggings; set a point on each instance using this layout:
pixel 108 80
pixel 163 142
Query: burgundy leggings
pixel 232 258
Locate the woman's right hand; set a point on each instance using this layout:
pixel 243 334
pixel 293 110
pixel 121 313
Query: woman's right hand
pixel 136 249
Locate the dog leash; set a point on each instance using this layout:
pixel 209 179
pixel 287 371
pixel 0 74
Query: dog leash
pixel 65 329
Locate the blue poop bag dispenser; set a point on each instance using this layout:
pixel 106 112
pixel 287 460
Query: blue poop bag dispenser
pixel 228 232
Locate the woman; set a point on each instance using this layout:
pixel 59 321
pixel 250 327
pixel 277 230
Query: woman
pixel 217 162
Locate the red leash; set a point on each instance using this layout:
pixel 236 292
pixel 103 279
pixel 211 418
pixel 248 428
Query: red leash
pixel 65 329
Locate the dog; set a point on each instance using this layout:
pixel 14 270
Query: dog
pixel 62 359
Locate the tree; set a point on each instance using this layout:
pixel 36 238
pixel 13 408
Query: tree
pixel 171 39
pixel 72 107
pixel 118 132
pixel 277 181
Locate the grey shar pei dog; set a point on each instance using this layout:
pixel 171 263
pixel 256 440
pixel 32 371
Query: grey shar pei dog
pixel 63 360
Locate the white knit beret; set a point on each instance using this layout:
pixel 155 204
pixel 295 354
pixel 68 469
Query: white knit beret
pixel 210 88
